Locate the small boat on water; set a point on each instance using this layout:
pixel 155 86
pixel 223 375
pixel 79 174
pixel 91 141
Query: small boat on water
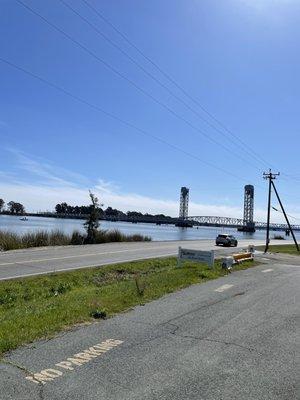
pixel 24 219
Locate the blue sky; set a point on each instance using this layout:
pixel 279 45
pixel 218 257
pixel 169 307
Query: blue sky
pixel 238 58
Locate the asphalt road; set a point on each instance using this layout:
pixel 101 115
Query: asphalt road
pixel 21 263
pixel 236 337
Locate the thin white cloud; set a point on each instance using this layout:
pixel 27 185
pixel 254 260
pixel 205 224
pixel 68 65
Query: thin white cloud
pixel 106 187
pixel 50 174
pixel 43 198
pixel 54 188
pixel 4 175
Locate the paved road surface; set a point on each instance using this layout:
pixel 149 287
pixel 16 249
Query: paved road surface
pixel 21 263
pixel 233 338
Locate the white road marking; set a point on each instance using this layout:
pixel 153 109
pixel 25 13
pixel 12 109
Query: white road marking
pixel 267 270
pixel 85 266
pixel 71 363
pixel 266 259
pixel 223 287
pixel 86 255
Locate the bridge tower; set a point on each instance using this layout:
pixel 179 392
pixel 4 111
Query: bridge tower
pixel 184 203
pixel 184 208
pixel 249 225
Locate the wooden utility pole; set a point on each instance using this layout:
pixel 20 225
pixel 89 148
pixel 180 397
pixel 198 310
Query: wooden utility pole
pixel 270 176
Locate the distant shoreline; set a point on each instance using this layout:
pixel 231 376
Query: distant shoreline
pixel 144 219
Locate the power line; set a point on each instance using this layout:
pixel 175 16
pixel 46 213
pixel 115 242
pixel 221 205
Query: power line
pixel 121 75
pixel 245 146
pixel 113 116
pixel 291 177
pixel 291 216
pixel 149 74
pixel 184 91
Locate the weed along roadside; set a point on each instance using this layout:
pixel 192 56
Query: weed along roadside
pixel 39 307
pixel 13 241
pixel 281 248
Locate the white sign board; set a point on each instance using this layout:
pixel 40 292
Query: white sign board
pixel 196 255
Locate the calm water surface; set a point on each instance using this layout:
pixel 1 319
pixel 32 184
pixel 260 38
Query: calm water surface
pixel 156 232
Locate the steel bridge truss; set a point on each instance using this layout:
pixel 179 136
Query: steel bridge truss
pixel 235 223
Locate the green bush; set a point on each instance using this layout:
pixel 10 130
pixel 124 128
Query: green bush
pixel 101 236
pixel 35 239
pixel 115 236
pixel 77 238
pixel 138 238
pixel 9 241
pixel 59 238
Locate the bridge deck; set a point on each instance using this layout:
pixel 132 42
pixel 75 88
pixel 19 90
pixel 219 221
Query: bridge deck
pixel 235 223
pixel 195 220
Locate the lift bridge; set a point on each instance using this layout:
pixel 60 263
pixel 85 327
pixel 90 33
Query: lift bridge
pixel 235 223
pixel 246 224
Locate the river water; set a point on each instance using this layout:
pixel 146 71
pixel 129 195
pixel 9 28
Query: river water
pixel 156 232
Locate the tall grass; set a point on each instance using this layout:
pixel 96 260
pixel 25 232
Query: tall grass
pixel 12 241
pixel 38 307
pixel 117 236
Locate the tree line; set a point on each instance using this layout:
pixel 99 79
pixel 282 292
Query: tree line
pixel 12 207
pixel 64 208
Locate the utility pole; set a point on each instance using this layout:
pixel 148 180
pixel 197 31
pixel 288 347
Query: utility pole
pixel 270 176
pixel 286 218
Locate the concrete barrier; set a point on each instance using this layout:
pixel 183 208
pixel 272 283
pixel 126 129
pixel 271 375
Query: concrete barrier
pixel 240 257
pixel 227 263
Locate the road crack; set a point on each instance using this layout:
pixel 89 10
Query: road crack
pixel 228 343
pixel 28 373
pixel 194 310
